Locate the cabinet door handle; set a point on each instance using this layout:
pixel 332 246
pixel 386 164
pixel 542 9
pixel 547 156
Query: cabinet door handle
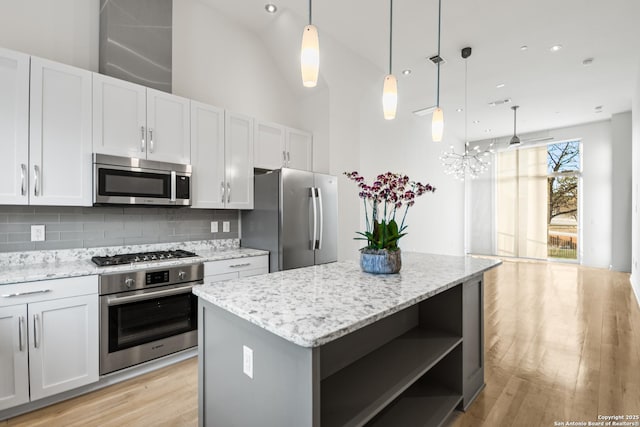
pixel 142 139
pixel 20 334
pixel 36 173
pixel 150 140
pixel 246 264
pixel 222 191
pixel 36 327
pixel 288 158
pixel 20 294
pixel 284 158
pixel 228 192
pixel 23 174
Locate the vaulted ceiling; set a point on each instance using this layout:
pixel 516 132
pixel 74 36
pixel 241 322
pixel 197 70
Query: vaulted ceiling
pixel 553 89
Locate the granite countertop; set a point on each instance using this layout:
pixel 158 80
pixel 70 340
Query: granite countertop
pixel 312 306
pixel 32 266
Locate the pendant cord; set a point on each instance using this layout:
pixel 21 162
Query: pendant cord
pixel 515 110
pixel 309 12
pixel 390 35
pixel 466 107
pixel 439 58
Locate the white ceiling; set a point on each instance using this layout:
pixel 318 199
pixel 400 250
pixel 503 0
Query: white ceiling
pixel 552 89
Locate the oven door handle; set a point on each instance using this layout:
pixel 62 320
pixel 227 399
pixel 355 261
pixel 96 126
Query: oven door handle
pixel 115 300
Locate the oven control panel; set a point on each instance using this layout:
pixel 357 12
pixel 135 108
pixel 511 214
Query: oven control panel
pixel 111 283
pixel 156 277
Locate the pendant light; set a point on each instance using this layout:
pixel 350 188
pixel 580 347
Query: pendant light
pixel 472 162
pixel 310 54
pixel 390 87
pixel 437 123
pixel 515 141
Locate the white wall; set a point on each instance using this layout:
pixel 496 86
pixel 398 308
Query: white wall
pixel 62 30
pixel 635 222
pixel 218 62
pixel 621 211
pixel 436 221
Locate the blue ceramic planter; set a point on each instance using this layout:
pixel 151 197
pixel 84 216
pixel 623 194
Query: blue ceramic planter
pixel 380 261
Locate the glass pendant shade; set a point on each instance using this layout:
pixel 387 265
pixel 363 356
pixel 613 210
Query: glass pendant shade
pixel 437 125
pixel 390 97
pixel 310 56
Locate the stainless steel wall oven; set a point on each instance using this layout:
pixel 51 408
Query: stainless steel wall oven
pixel 147 314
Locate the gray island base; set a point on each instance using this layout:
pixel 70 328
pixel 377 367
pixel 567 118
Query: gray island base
pixel 330 345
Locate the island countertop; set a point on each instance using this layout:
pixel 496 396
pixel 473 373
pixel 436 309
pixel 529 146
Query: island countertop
pixel 312 306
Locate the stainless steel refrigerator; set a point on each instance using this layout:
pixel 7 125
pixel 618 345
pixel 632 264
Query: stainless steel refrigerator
pixel 294 217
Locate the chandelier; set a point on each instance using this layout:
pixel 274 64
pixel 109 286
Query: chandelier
pixel 473 161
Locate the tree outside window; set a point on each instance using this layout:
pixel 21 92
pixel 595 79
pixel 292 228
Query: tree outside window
pixel 563 172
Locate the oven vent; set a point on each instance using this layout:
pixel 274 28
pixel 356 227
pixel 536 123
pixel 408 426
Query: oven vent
pixel 135 41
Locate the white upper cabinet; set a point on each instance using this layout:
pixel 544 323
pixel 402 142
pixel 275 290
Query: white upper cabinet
pixel 59 135
pixel 278 146
pixel 207 152
pixel 238 148
pixel 299 149
pixel 168 127
pixel 133 121
pixel 269 148
pixel 119 117
pixel 14 127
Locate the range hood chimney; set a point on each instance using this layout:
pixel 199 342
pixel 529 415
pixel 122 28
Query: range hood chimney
pixel 135 41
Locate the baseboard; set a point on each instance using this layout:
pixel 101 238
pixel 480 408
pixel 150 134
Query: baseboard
pixel 635 289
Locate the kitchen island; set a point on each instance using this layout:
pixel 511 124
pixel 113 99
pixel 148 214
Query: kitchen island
pixel 330 345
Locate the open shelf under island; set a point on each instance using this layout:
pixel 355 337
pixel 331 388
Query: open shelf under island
pixel 330 345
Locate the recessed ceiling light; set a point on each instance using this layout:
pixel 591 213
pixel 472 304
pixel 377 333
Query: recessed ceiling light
pixel 524 47
pixel 459 110
pixel 587 62
pixel 500 85
pixel 487 130
pixel 476 121
pixel 492 104
pixel 406 72
pixel 598 108
pixel 270 8
pixel 555 48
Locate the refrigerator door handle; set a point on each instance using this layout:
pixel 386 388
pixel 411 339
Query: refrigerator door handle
pixel 312 242
pixel 321 224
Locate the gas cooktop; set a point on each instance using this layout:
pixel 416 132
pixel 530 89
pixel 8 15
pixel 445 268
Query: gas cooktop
pixel 119 259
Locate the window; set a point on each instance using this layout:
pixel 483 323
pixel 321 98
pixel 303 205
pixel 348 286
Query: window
pixel 563 175
pixel 537 195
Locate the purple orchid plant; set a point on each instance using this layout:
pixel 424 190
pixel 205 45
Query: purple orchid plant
pixel 385 198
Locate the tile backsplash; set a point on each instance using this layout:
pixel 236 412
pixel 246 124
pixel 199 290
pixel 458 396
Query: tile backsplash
pixel 77 227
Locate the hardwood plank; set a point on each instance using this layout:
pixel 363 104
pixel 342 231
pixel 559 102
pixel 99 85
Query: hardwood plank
pixel 168 397
pixel 562 342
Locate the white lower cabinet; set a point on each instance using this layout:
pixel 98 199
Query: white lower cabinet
pixel 14 360
pixel 48 338
pixel 218 271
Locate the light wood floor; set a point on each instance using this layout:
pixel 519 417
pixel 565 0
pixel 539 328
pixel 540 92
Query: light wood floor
pixel 562 343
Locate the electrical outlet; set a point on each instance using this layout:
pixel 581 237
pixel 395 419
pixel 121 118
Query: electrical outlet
pixel 214 226
pixel 247 361
pixel 37 233
pixel 226 226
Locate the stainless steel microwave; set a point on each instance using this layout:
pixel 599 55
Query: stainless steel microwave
pixel 131 181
